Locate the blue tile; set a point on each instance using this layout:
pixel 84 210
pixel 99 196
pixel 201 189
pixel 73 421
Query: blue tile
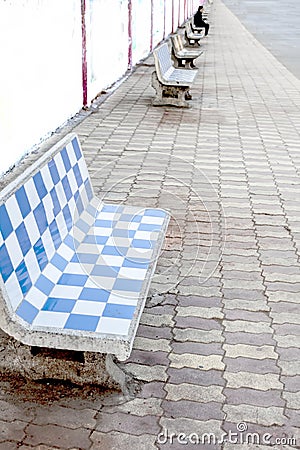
pixel 155 213
pixel 118 232
pixel 23 202
pixel 55 234
pixel 142 243
pixel 69 241
pixel 91 210
pixel 39 185
pixel 67 188
pixel 112 208
pixel 94 295
pixel 76 148
pixel 82 322
pixel 118 311
pixel 44 285
pixel 55 202
pixel 114 251
pixel 77 174
pixel 105 271
pixel 59 262
pixel 104 223
pixel 59 305
pixel 149 227
pixel 75 258
pixel 89 189
pixel 70 279
pixel 130 218
pixel 78 202
pixel 85 258
pixel 91 239
pixel 41 218
pixel 128 285
pixel 65 159
pixel 68 218
pixel 6 267
pixel 40 254
pixel 5 223
pixel 53 172
pixel 82 225
pixel 23 239
pixel 136 263
pixel 27 311
pixel 23 277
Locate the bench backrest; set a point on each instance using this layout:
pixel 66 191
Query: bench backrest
pixel 177 42
pixel 37 213
pixel 163 61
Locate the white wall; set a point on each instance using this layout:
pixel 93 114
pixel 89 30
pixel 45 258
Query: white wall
pixel 40 77
pixel 41 59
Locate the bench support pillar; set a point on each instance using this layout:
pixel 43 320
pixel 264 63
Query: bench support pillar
pixel 169 95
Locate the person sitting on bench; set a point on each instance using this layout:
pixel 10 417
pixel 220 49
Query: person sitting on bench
pixel 199 21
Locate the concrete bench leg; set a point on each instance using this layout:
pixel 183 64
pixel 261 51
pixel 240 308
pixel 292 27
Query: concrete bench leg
pixel 169 95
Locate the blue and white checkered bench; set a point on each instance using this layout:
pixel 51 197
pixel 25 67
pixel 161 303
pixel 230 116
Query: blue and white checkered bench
pixel 171 84
pixel 75 272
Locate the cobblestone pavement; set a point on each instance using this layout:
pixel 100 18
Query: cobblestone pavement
pixel 218 344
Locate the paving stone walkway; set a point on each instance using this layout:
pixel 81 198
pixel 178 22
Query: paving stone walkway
pixel 217 350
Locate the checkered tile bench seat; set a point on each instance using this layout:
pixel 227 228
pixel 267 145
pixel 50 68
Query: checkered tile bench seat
pixel 171 84
pixel 75 271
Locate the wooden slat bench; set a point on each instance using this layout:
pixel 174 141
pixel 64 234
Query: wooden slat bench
pixel 75 272
pixel 192 38
pixel 171 84
pixel 183 57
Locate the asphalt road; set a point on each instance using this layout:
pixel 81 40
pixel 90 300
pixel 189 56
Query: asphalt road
pixel 276 24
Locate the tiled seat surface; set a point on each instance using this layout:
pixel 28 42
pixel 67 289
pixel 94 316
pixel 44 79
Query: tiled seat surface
pixel 167 71
pixel 70 264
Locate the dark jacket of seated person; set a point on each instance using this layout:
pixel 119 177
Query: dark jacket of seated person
pixel 199 22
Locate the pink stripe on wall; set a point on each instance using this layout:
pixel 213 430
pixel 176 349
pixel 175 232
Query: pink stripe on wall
pixel 129 34
pixel 84 58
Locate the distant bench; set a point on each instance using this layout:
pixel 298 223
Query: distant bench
pixel 183 56
pixel 192 38
pixel 171 84
pixel 75 271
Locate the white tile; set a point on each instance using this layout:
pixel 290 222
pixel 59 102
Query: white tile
pixel 70 292
pixel 14 250
pixel 66 252
pixel 14 291
pixel 50 319
pixel 133 273
pixel 52 273
pixel 32 228
pixel 146 235
pixel 32 266
pixel 14 211
pixel 121 300
pixel 60 165
pixel 88 308
pixel 48 244
pixel 36 297
pixel 32 195
pixel 105 283
pixel 152 220
pixel 110 325
pixel 71 153
pixel 111 260
pixel 47 179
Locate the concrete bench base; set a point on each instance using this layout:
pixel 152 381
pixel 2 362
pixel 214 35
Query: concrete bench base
pixel 79 368
pixel 169 95
pixel 75 272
